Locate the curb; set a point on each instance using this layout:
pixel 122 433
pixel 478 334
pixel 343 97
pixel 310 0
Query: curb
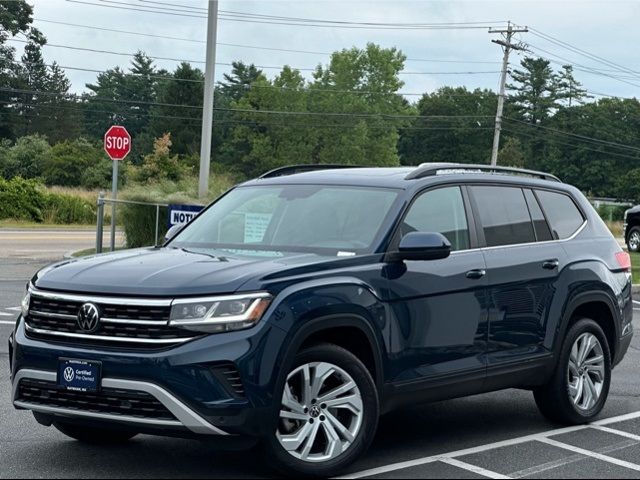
pixel 635 289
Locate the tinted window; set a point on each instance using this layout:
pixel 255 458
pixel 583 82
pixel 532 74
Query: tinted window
pixel 440 211
pixel 504 215
pixel 563 215
pixel 543 234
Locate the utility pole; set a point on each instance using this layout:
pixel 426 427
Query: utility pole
pixel 508 46
pixel 207 107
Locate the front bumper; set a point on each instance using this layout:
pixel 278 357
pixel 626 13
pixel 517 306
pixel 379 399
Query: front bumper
pixel 182 379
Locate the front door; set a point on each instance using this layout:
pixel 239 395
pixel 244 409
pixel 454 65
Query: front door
pixel 439 327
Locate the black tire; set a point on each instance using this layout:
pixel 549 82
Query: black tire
pixel 554 400
pixel 93 435
pixel 288 465
pixel 633 246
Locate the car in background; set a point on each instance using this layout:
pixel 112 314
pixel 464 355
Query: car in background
pixel 632 228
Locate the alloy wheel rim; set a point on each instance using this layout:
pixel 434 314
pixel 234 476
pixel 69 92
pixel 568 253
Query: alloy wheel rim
pixel 322 412
pixel 586 372
pixel 634 241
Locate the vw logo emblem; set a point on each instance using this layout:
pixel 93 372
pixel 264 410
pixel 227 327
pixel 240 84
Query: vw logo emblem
pixel 89 318
pixel 69 374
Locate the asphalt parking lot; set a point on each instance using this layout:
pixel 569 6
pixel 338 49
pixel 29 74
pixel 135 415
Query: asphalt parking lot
pixel 498 435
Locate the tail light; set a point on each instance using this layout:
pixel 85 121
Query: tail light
pixel 624 261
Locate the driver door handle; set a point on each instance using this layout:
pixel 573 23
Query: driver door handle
pixel 550 264
pixel 476 274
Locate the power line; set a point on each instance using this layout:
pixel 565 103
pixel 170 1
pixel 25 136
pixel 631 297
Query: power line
pixel 266 67
pixel 576 136
pixel 236 45
pixel 241 110
pixel 261 19
pixel 538 136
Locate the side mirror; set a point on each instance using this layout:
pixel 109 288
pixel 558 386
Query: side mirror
pixel 173 231
pixel 423 246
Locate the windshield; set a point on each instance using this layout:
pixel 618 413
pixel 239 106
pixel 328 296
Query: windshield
pixel 298 218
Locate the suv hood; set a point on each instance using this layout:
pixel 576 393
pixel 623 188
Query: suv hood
pixel 170 272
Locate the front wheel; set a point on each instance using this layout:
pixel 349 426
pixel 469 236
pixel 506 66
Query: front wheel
pixel 579 388
pixel 328 416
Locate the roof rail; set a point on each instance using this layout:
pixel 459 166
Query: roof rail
pixel 293 169
pixel 431 169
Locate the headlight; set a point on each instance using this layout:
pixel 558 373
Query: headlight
pixel 25 304
pixel 219 314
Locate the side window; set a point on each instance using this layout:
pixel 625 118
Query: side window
pixel 504 215
pixel 441 211
pixel 563 215
pixel 543 234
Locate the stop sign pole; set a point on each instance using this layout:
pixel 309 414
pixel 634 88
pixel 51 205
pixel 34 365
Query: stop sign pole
pixel 117 144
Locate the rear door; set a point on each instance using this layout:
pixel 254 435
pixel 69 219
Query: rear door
pixel 523 265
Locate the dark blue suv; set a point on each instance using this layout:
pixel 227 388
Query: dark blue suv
pixel 302 305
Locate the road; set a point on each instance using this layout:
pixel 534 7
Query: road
pixel 454 439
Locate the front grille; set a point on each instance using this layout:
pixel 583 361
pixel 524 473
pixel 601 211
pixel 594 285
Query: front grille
pixel 55 317
pixel 107 401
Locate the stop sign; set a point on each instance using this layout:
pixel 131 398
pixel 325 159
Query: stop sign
pixel 117 143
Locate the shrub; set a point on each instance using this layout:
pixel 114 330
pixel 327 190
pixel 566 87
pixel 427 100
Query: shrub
pixel 27 157
pixel 68 162
pixel 66 209
pixel 21 200
pixel 160 165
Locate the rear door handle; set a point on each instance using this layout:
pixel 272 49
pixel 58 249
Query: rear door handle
pixel 476 274
pixel 550 264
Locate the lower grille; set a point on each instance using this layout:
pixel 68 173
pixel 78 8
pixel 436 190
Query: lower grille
pixel 229 377
pixel 108 401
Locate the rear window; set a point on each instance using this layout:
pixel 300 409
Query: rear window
pixel 561 211
pixel 504 215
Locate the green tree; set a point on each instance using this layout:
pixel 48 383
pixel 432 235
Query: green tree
pixel 535 91
pixel 16 17
pixel 236 83
pixel 570 91
pixel 180 110
pixel 454 125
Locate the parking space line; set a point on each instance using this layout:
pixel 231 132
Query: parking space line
pixel 3 322
pixel 14 309
pixel 618 432
pixel 3 314
pixel 491 446
pixel 591 454
pixel 473 469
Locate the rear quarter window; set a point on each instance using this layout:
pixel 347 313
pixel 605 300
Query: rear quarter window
pixel 564 216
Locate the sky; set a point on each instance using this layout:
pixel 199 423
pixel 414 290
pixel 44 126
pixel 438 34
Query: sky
pixel 607 29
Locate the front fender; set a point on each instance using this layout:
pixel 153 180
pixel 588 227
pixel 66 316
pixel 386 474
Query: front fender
pixel 309 307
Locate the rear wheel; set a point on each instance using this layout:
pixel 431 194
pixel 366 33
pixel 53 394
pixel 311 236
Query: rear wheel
pixel 579 388
pixel 96 436
pixel 328 416
pixel 633 240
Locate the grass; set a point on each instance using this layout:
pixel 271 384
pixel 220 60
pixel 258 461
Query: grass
pixel 21 224
pixel 635 267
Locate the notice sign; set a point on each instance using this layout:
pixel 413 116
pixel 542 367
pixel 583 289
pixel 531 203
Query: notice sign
pixel 182 214
pixel 255 226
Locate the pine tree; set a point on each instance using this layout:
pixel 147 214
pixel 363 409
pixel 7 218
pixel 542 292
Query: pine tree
pixel 535 90
pixel 570 91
